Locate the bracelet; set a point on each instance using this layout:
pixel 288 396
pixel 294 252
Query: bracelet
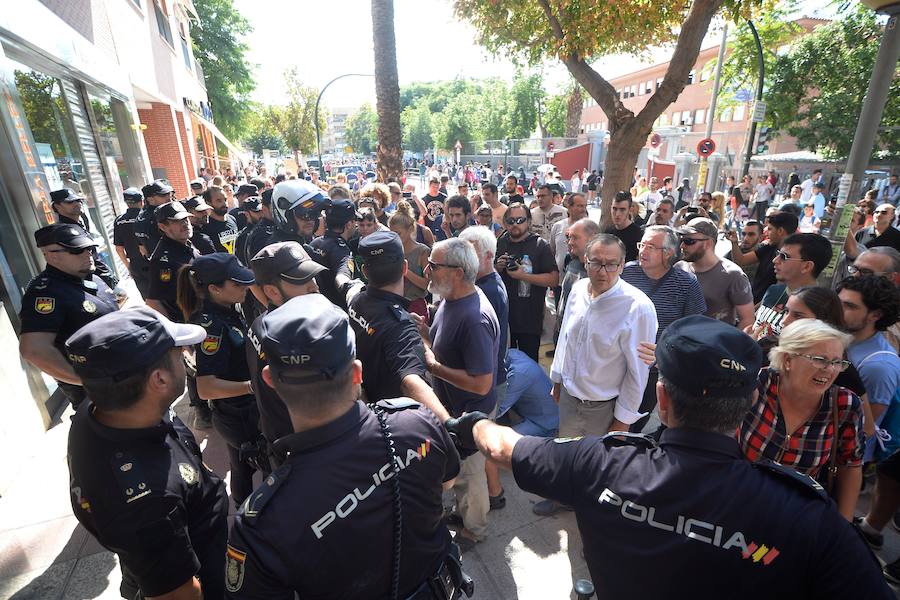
pixel 250 387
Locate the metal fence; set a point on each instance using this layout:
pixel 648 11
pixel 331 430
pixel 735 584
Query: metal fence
pixel 514 153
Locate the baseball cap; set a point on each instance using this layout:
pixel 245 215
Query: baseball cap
pixel 157 188
pixel 195 203
pixel 65 195
pixel 341 211
pixel 197 183
pixel 132 194
pixel 381 247
pixel 171 211
pixel 307 339
pixel 67 236
pixel 253 203
pixel 249 189
pixel 123 343
pixel 700 225
pixel 285 260
pixel 705 357
pixel 218 267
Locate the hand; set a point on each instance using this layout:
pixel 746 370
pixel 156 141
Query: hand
pixel 460 429
pixel 422 326
pixel 500 264
pixel 618 425
pixel 445 227
pixel 731 236
pixel 647 352
pixel 555 392
pixel 430 360
pixel 516 274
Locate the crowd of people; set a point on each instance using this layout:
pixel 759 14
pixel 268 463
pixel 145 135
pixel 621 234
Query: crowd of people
pixel 280 305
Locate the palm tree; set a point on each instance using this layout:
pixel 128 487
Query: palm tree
pixel 387 91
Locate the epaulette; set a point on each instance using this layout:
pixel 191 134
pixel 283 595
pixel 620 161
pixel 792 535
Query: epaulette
pixel 788 474
pixel 255 502
pixel 129 476
pixel 395 404
pixel 624 438
pixel 398 313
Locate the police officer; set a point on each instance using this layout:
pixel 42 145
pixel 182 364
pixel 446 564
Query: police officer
pixel 283 270
pixel 288 536
pixel 208 290
pixel 69 208
pixel 156 194
pixel 128 247
pixel 388 343
pixel 296 209
pixel 66 295
pixel 691 511
pixel 261 234
pixel 138 481
pixel 199 217
pixel 254 214
pixel 222 229
pixel 173 251
pixel 244 191
pixel 332 251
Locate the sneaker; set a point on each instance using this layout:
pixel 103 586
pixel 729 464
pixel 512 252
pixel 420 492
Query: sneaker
pixel 453 520
pixel 497 502
pixel 465 543
pixel 546 508
pixel 895 520
pixel 892 571
pixel 875 540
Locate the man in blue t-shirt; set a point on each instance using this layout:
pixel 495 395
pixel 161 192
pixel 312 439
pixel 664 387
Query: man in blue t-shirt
pixel 461 349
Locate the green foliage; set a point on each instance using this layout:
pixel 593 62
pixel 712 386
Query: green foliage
pixel 218 47
pixel 555 116
pixel 297 124
pixel 526 96
pixel 362 129
pixel 817 89
pixel 43 104
pixel 417 128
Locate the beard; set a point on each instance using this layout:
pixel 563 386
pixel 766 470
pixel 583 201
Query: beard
pixel 440 290
pixel 221 211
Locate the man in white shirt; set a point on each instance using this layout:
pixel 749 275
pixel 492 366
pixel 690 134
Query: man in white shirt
pixel 577 207
pixel 544 212
pixel 649 199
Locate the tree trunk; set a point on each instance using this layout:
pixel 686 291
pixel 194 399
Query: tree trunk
pixel 387 91
pixel 573 111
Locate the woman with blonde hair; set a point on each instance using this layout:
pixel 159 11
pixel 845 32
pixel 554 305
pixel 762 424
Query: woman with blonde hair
pixel 801 419
pixel 415 285
pixel 718 207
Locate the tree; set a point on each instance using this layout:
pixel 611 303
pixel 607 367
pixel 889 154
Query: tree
pixel 554 115
pixel 526 98
pixel 216 38
pixel 296 123
pixel 417 128
pixel 362 129
pixel 574 104
pixel 817 88
pixel 389 159
pixel 577 31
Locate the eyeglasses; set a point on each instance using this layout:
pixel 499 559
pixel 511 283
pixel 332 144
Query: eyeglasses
pixel 72 250
pixel 650 247
pixel 691 241
pixel 515 220
pixel 608 267
pixel 854 270
pixel 820 362
pixel 782 255
pixel 433 265
pixel 881 212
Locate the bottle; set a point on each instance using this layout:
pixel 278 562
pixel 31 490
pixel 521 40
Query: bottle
pixel 524 286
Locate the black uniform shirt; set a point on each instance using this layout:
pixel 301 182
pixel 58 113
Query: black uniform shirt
pixel 146 495
pixel 222 353
pixel 168 257
pixel 222 233
pixel 240 217
pixel 258 237
pixel 274 419
pixel 322 523
pixel 123 235
pixel 332 251
pixel 387 342
pixel 240 246
pixel 146 228
pixel 56 302
pixel 699 518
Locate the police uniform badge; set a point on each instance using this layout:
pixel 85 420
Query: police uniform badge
pixel 44 305
pixel 165 275
pixel 234 568
pixel 89 307
pixel 211 344
pixel 188 473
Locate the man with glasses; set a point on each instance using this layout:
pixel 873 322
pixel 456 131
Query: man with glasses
pixel 880 233
pixel 726 289
pixel 623 226
pixel 779 225
pixel 545 212
pixel 69 208
pixel 526 264
pixel 173 251
pixel 64 297
pixel 881 260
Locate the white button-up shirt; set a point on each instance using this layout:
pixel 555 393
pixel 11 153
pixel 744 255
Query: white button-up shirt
pixel 596 355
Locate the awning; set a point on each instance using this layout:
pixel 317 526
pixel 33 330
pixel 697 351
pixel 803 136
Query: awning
pixel 234 150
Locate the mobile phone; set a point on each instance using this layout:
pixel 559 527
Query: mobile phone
pixel 407 194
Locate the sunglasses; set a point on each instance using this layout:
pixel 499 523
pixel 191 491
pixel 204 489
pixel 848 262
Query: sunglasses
pixel 854 270
pixel 75 251
pixel 781 254
pixel 691 241
pixel 515 221
pixel 433 265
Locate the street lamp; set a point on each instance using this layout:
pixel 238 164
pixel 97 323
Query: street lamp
pixel 316 115
pixel 759 96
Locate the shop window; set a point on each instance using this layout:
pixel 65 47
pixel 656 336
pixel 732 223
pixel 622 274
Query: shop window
pixel 119 146
pixel 648 87
pixel 162 23
pixel 676 118
pixel 619 94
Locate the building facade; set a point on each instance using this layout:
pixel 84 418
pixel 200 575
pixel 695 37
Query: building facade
pixel 335 141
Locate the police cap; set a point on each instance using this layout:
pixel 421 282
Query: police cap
pixel 285 260
pixel 67 236
pixel 218 267
pixel 248 188
pixel 707 358
pixel 132 195
pixel 171 211
pixel 123 343
pixel 341 211
pixel 381 247
pixel 157 188
pixel 197 184
pixel 253 203
pixel 65 195
pixel 307 339
pixel 266 197
pixel 196 203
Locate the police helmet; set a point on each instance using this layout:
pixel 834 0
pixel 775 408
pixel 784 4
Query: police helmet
pixel 299 196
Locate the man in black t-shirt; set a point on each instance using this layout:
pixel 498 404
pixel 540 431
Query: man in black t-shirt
pixel 222 229
pixel 623 227
pixel 434 205
pixel 528 267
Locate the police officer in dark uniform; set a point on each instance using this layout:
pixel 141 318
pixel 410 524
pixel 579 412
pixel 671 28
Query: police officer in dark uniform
pixel 156 194
pixel 244 191
pixel 126 242
pixel 692 511
pixel 65 296
pixel 261 234
pixel 199 217
pixel 331 250
pixel 283 270
pixel 254 214
pixel 138 481
pixel 173 251
pixel 296 210
pixel 288 536
pixel 388 343
pixel 68 206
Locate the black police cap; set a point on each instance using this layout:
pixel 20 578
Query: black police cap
pixel 64 234
pixel 132 194
pixel 65 195
pixel 123 343
pixel 220 266
pixel 196 203
pixel 157 188
pixel 707 358
pixel 381 247
pixel 307 339
pixel 253 204
pixel 341 211
pixel 285 260
pixel 171 211
pixel 248 188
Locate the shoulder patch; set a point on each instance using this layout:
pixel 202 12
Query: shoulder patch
pixel 255 502
pixel 165 275
pixel 44 305
pixel 234 568
pixel 787 474
pixel 624 438
pixel 211 344
pixel 395 404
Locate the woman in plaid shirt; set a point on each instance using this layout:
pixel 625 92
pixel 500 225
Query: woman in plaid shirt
pixel 792 419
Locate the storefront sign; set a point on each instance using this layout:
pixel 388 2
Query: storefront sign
pixel 33 171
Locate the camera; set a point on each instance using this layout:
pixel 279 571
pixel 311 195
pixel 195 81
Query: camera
pixel 407 194
pixel 513 262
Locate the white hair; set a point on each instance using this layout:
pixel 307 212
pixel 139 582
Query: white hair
pixel 800 336
pixel 482 238
pixel 460 253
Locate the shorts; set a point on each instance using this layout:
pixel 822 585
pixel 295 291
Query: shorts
pixel 890 467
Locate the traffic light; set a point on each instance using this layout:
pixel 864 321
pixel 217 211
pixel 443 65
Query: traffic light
pixel 762 142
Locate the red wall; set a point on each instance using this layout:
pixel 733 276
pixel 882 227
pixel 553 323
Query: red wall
pixel 568 160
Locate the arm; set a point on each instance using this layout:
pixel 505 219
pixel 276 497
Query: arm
pixel 496 442
pixel 631 390
pixel 746 316
pixel 848 481
pixel 38 349
pixel 877 410
pixel 550 279
pixel 428 236
pixel 737 255
pixel 415 387
pixel 420 281
pixel 210 387
pixel 189 590
pixel 851 245
pixel 120 250
pixel 476 384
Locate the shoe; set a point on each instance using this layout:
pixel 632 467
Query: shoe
pixel 550 353
pixel 465 543
pixel 497 502
pixel 546 508
pixel 895 520
pixel 892 571
pixel 875 540
pixel 453 520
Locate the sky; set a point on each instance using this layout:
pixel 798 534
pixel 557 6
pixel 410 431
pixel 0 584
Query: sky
pixel 324 39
